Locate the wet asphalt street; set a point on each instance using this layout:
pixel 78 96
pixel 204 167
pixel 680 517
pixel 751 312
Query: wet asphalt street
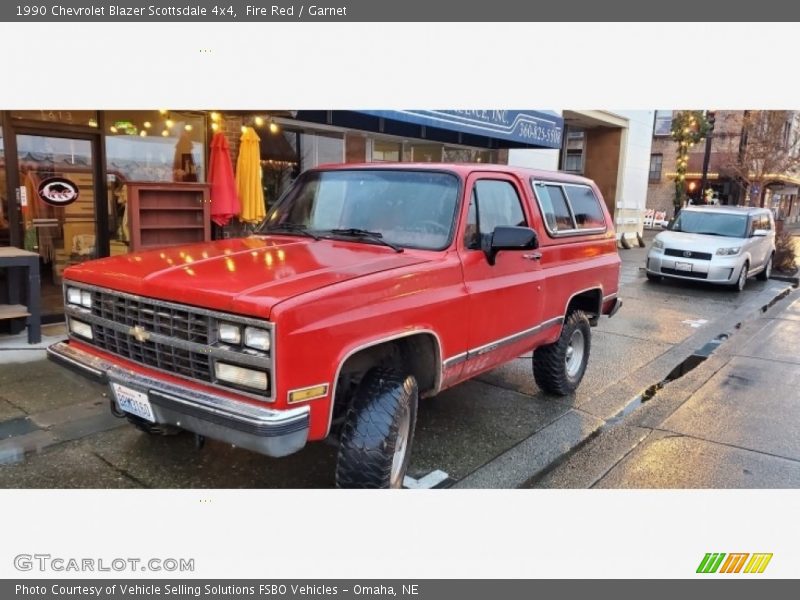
pixel 496 431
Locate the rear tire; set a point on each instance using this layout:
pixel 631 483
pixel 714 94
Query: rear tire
pixel 559 367
pixel 376 438
pixel 153 428
pixel 767 271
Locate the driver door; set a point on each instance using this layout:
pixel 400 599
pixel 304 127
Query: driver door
pixel 505 299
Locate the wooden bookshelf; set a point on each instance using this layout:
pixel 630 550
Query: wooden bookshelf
pixel 166 214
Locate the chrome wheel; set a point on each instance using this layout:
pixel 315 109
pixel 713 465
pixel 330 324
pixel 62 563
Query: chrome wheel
pixel 574 354
pixel 400 450
pixel 742 278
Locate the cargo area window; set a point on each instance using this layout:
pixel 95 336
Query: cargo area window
pixel 585 207
pixel 569 209
pixel 553 203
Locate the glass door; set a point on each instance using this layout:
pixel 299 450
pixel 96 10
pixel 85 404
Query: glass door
pixel 57 198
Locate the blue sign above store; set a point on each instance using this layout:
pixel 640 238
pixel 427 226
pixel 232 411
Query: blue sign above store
pixel 536 128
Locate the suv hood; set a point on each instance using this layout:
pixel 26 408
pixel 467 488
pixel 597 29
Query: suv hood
pixel 697 242
pixel 243 275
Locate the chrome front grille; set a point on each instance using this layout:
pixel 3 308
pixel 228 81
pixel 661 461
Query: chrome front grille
pixel 170 320
pixel 174 338
pixel 161 356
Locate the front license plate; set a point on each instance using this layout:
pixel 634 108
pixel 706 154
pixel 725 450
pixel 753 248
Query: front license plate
pixel 681 266
pixel 133 402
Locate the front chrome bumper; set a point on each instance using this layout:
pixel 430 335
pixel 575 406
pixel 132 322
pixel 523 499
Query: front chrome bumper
pixel 260 429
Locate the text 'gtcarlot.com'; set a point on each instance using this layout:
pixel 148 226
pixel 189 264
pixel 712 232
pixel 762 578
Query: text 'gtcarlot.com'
pixel 58 564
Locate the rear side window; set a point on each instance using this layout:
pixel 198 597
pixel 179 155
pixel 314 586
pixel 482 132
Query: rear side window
pixel 585 207
pixel 569 208
pixel 554 207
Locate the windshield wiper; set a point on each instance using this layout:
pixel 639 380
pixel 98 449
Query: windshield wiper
pixel 289 228
pixel 373 236
pixel 710 233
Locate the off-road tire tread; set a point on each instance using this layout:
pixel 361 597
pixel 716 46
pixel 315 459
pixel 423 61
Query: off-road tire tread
pixel 366 446
pixel 549 369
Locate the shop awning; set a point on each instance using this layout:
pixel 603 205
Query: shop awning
pixel 540 129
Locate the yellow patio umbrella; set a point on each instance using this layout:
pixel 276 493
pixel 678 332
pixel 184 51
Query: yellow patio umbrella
pixel 248 177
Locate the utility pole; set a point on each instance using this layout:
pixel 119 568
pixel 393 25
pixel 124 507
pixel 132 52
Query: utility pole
pixel 710 117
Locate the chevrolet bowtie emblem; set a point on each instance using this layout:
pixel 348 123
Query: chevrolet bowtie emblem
pixel 140 333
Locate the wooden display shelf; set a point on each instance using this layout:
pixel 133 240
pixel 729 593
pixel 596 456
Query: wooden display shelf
pixel 161 214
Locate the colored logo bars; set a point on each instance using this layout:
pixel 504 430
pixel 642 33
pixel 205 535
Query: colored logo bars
pixel 713 562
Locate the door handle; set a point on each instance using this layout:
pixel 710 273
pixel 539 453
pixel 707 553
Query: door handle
pixel 533 256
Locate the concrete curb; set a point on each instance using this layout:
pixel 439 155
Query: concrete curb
pixel 793 279
pixel 516 466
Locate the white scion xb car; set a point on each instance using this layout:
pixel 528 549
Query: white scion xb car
pixel 717 244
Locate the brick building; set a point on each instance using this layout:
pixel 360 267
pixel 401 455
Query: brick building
pixel 726 142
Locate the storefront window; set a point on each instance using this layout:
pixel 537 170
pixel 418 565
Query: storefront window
pixel 155 145
pixel 57 202
pixel 386 151
pixel 319 149
pixel 63 117
pixel 427 152
pixel 469 155
pixel 278 161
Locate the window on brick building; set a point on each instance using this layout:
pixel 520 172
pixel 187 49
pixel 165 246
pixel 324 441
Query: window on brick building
pixel 663 123
pixel 656 163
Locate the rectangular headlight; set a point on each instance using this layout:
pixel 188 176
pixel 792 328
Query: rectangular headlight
pixel 733 251
pixel 86 299
pixel 241 376
pixel 257 338
pixel 73 296
pixel 229 333
pixel 80 328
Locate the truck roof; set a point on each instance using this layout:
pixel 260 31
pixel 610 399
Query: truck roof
pixel 462 169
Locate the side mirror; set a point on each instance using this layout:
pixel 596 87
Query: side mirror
pixel 511 238
pixel 760 233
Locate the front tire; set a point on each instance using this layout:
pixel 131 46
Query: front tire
pixel 559 367
pixel 767 271
pixel 653 277
pixel 375 443
pixel 742 280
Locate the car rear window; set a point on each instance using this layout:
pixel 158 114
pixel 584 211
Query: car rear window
pixel 553 203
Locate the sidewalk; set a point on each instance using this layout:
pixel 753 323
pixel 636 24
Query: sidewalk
pixel 733 422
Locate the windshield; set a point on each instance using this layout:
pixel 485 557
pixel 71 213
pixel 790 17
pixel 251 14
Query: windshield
pixel 412 209
pixel 711 223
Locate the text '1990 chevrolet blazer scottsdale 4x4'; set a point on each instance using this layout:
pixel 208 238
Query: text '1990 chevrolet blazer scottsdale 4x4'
pixel 367 288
